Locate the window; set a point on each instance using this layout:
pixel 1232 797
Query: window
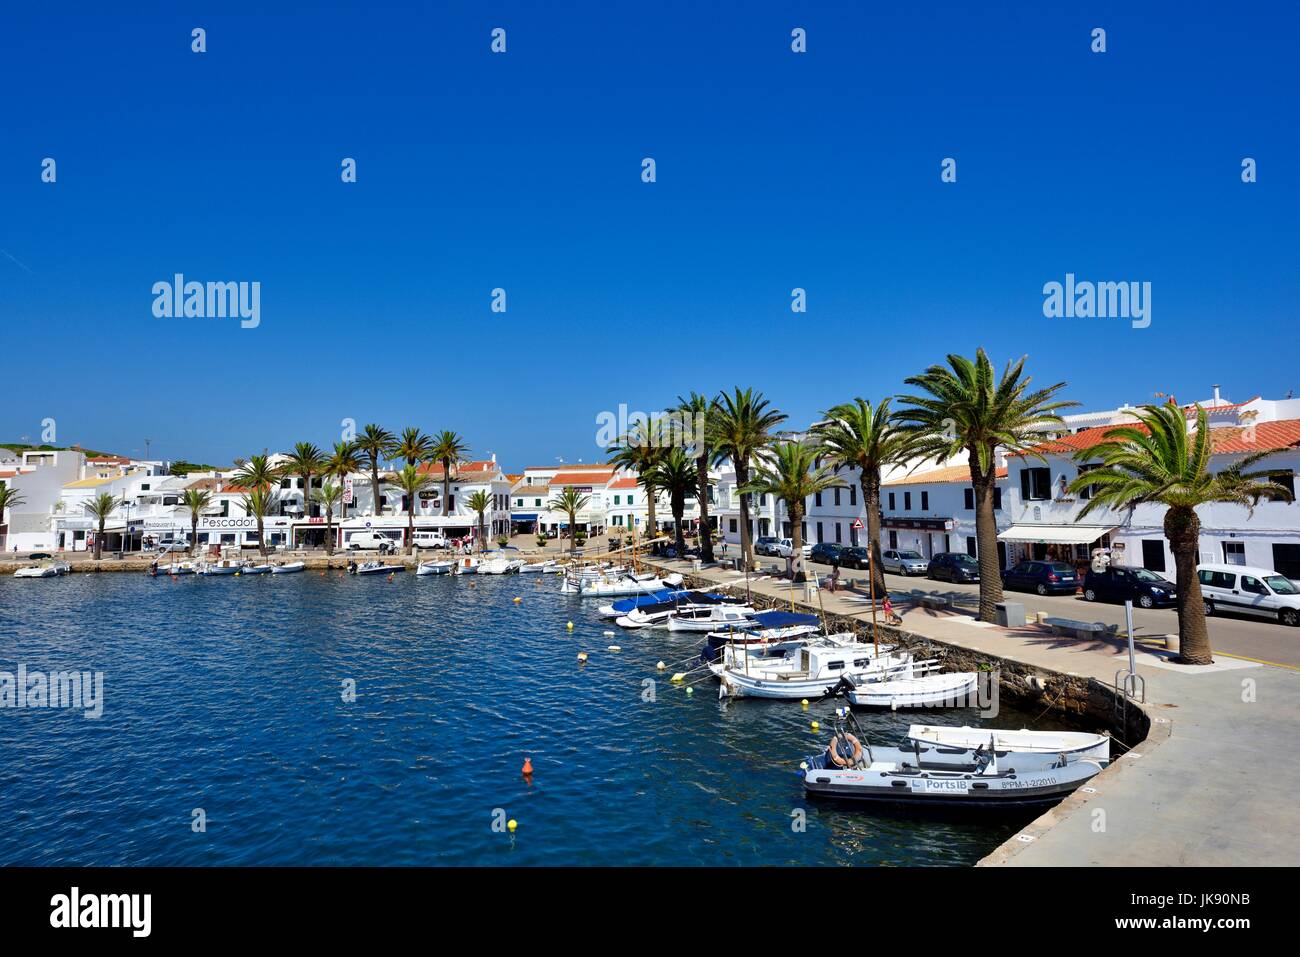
pixel 853 495
pixel 891 501
pixel 1286 560
pixel 519 503
pixel 734 526
pixel 820 537
pixel 616 498
pixel 1218 579
pixel 997 497
pixel 1090 490
pixel 1153 554
pixel 817 499
pixel 836 492
pixel 907 501
pixel 1234 553
pixel 970 499
pixel 1287 481
pixel 838 534
pixel 970 545
pixel 1036 484
pixel 893 539
pixel 537 503
pixel 925 501
pixel 1253 585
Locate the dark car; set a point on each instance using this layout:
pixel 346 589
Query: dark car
pixel 953 567
pixel 826 553
pixel 854 557
pixel 1044 577
pixel 39 556
pixel 1143 588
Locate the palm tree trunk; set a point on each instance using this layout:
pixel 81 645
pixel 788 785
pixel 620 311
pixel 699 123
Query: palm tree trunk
pixel 679 535
pixel 410 526
pixel 706 533
pixel 261 537
pixel 986 537
pixel 446 485
pixel 480 533
pixel 796 542
pixel 746 538
pixel 1183 529
pixel 329 530
pixel 194 533
pixel 651 492
pixel 374 486
pixel 871 499
pixel 99 540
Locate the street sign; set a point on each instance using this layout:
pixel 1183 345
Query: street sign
pixel 857 523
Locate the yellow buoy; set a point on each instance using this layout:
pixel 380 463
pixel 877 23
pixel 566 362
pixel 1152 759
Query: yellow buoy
pixel 582 656
pixel 816 726
pixel 680 676
pixel 569 626
pixel 518 600
pixel 512 824
pixel 804 702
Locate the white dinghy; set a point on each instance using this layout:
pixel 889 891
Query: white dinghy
pixel 539 568
pixel 262 569
pixel 1018 745
pixel 952 690
pixel 435 568
pixel 37 571
pixel 500 566
pixel 288 568
pixel 226 566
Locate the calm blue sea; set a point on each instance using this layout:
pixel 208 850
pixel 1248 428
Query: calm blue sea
pixel 226 694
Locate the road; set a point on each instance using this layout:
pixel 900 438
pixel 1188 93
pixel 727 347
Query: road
pixel 1242 636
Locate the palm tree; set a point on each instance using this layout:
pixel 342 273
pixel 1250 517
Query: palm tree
pixel 448 449
pixel 8 499
pixel 639 452
pixel 793 477
pixel 967 409
pixel 742 425
pixel 258 475
pixel 260 501
pixel 413 445
pixel 570 502
pixel 412 482
pixel 342 462
pixel 855 435
pixel 327 496
pixel 195 500
pixel 1156 462
pixel 99 508
pixel 676 474
pixel 373 443
pixel 303 462
pixel 480 502
pixel 697 410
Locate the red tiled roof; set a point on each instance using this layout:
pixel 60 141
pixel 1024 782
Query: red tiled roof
pixel 590 476
pixel 434 469
pixel 1222 406
pixel 627 481
pixel 1228 440
pixel 951 473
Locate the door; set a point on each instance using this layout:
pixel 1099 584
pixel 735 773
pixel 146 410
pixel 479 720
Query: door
pixel 1256 598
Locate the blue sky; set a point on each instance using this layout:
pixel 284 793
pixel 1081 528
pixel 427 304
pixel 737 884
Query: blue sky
pixel 522 171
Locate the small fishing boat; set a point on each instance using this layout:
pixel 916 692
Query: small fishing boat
pixel 374 567
pixel 769 629
pixel 711 617
pixel 852 770
pixel 46 570
pixel 539 568
pixel 435 568
pixel 288 568
pixel 1021 746
pixel 805 668
pixel 657 613
pixel 500 566
pixel 624 605
pixel 952 690
pixel 262 569
pixel 225 566
pixel 177 568
pixel 468 565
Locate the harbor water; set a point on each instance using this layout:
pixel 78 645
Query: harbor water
pixel 229 737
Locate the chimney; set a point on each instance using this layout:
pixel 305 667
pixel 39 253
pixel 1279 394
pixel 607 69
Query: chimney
pixel 494 458
pixel 1217 401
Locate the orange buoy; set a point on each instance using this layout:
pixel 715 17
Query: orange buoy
pixel 528 767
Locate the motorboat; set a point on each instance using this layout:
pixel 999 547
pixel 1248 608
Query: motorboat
pixel 443 567
pixel 224 566
pixel 851 769
pixel 174 569
pixel 539 568
pixel 657 613
pixel 711 617
pixel 46 570
pixel 261 569
pixel 500 566
pixel 1022 746
pixel 806 668
pixel 951 690
pixel 769 628
pixel 374 567
pixel 576 578
pixel 468 565
pixel 288 568
pixel 624 605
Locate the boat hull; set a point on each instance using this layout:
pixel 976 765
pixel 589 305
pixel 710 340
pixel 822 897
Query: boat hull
pixel 885 784
pixel 931 691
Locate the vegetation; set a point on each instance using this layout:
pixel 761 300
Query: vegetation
pixel 343 461
pixel 570 502
pixel 698 411
pixel 8 499
pixel 739 430
pixel 328 496
pixel 676 475
pixel 793 477
pixel 99 508
pixel 1157 462
pixel 259 477
pixel 305 461
pixel 195 500
pixel 448 450
pixel 412 482
pixel 372 444
pixel 479 503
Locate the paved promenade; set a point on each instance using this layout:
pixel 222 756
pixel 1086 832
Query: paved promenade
pixel 1199 791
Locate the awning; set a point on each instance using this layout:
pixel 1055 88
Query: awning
pixel 1055 534
pixel 530 517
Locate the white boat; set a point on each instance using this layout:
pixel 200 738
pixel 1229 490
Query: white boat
pixel 262 569
pixel 711 617
pixel 852 770
pixel 226 566
pixel 37 571
pixel 468 565
pixel 435 568
pixel 628 586
pixel 953 690
pixel 500 566
pixel 176 568
pixel 811 668
pixel 576 578
pixel 539 568
pixel 1020 745
pixel 375 567
pixel 288 569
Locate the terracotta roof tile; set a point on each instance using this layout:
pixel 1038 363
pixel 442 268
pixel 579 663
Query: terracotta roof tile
pixel 951 473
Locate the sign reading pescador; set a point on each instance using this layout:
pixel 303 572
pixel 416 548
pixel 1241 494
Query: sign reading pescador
pixel 102 910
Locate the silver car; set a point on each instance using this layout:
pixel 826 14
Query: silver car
pixel 904 562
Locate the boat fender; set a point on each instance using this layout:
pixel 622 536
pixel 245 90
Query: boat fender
pixel 845 750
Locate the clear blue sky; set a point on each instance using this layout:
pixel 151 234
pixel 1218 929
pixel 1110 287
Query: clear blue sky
pixel 775 170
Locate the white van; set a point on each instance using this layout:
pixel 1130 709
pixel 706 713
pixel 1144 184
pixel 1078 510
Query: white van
pixel 1261 592
pixel 428 539
pixel 377 540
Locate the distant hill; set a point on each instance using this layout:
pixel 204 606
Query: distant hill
pixel 27 446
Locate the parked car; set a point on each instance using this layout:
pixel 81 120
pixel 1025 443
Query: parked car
pixel 904 562
pixel 827 553
pixel 362 540
pixel 765 545
pixel 1142 587
pixel 165 547
pixel 854 557
pixel 39 556
pixel 953 567
pixel 427 539
pixel 1044 577
pixel 1248 590
pixel 785 548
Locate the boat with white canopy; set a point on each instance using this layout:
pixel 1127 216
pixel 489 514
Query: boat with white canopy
pixel 806 668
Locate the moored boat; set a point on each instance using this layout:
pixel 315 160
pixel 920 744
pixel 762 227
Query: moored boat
pixel 500 566
pixel 443 567
pixel 1021 745
pixel 805 668
pixel 224 566
pixel 374 567
pixel 288 568
pixel 539 568
pixel 711 617
pixel 37 571
pixel 952 690
pixel 260 569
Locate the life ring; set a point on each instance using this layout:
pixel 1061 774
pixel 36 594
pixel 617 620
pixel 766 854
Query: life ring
pixel 839 759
